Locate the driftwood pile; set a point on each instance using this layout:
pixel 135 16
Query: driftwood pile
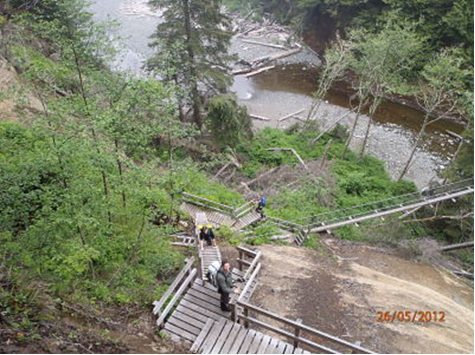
pixel 260 34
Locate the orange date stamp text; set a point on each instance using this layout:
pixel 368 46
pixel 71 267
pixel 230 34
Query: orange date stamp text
pixel 411 316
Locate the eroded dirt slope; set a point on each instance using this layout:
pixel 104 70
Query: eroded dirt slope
pixel 340 287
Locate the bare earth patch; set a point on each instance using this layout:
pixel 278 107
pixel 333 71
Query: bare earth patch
pixel 340 287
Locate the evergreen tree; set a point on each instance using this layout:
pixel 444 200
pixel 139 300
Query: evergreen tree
pixel 201 31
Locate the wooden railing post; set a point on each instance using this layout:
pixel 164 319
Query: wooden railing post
pixel 297 333
pixel 241 258
pixel 232 306
pixel 246 314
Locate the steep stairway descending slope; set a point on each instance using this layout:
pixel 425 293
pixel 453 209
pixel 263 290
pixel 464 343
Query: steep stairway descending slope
pixel 246 220
pixel 208 255
pixel 212 217
pixel 200 303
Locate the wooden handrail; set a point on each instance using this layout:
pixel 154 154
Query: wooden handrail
pixel 288 334
pixel 243 213
pixel 177 295
pixel 243 206
pixel 159 304
pixel 295 324
pixel 284 222
pixel 227 213
pixel 253 265
pixel 247 250
pixel 249 283
pixel 226 207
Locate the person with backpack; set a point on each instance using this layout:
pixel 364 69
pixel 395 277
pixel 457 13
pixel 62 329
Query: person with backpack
pixel 260 206
pixel 213 272
pixel 206 233
pixel 224 280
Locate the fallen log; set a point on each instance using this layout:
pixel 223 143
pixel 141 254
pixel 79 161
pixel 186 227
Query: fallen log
pixel 257 117
pixel 221 170
pixel 278 46
pixel 291 115
pixel 241 71
pixel 300 118
pixel 330 127
pixel 259 71
pixel 263 175
pixel 456 246
pixel 270 58
pixel 290 150
pixel 285 54
pixel 464 274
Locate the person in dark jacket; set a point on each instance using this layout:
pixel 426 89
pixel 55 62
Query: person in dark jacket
pixel 208 235
pixel 224 280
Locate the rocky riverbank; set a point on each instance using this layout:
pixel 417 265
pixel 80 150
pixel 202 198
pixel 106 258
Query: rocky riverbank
pixel 273 96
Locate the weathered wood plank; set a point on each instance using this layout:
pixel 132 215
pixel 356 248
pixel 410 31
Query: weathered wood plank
pixel 251 334
pixel 255 343
pixel 210 303
pixel 202 336
pixel 208 306
pixel 280 349
pixel 201 318
pixel 200 310
pixel 239 341
pixel 178 294
pixel 231 338
pixel 298 351
pixel 159 304
pixel 186 318
pixel 180 332
pixel 208 292
pixel 214 334
pixel 289 349
pixel 177 322
pixel 271 348
pixel 222 338
pixel 263 345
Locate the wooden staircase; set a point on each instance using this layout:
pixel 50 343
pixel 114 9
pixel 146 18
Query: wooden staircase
pixel 212 216
pixel 246 220
pixel 207 256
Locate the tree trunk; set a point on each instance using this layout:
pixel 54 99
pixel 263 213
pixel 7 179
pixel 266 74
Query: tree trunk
pixel 119 167
pixel 372 110
pixel 350 137
pixel 414 148
pixel 195 95
pixel 86 105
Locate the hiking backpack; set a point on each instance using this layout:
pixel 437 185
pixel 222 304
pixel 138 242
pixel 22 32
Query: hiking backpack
pixel 213 272
pixel 263 202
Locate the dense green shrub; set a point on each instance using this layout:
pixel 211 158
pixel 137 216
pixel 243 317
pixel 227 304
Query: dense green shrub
pixel 229 123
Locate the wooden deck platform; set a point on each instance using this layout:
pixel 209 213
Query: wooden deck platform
pixel 227 337
pixel 200 303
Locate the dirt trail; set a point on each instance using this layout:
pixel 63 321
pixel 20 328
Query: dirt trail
pixel 340 287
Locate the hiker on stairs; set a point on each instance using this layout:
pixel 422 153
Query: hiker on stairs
pixel 260 206
pixel 206 233
pixel 224 279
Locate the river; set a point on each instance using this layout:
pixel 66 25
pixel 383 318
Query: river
pixel 288 88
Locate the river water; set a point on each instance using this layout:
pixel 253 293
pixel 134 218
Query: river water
pixel 288 88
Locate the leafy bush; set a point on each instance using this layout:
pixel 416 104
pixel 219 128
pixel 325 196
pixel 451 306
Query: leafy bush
pixel 229 123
